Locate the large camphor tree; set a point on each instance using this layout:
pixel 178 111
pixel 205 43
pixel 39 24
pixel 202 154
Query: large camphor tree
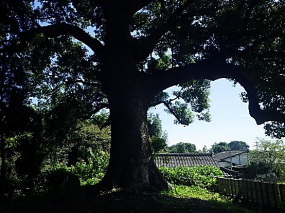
pixel 136 49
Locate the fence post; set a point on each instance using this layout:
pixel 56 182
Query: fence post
pixel 254 191
pixel 259 197
pixel 240 193
pixel 282 192
pixel 235 186
pixel 219 180
pixel 228 187
pixel 250 190
pixel 276 195
pixel 270 194
pixel 240 187
pixel 264 192
pixel 245 197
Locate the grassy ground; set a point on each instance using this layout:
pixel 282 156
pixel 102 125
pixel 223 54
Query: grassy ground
pixel 181 199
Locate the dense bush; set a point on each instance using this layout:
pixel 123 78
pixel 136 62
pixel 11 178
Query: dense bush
pixel 94 170
pixel 201 176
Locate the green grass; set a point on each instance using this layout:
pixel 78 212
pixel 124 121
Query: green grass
pixel 182 191
pixel 215 200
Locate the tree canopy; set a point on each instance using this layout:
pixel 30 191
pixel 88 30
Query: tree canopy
pixel 182 147
pixel 158 138
pixel 238 145
pixel 220 147
pixel 268 157
pixel 233 145
pixel 83 56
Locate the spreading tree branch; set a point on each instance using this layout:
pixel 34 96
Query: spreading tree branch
pixel 146 45
pixel 97 109
pixel 167 105
pixel 260 116
pixel 63 29
pixel 212 69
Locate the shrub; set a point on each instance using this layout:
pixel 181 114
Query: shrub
pixel 89 173
pixel 201 176
pixel 95 168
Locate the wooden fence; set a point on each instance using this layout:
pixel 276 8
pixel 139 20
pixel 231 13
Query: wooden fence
pixel 269 194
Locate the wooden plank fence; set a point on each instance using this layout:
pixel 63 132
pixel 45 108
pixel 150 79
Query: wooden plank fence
pixel 264 193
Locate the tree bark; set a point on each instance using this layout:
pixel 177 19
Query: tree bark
pixel 3 166
pixel 131 164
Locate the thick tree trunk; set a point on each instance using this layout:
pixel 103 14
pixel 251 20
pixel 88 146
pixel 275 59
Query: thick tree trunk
pixel 131 164
pixel 3 166
pixel 129 95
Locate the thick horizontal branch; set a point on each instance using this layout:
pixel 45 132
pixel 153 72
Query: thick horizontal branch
pixel 146 45
pixel 212 69
pixel 58 30
pixel 67 29
pixel 97 109
pixel 260 116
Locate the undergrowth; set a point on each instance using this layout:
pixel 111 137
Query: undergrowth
pixel 200 176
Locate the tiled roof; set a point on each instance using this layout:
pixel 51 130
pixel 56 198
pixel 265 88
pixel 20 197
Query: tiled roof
pixel 227 154
pixel 227 173
pixel 189 159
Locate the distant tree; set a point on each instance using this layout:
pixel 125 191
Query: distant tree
pixel 182 147
pixel 205 149
pixel 155 126
pixel 268 157
pixel 158 138
pixel 220 147
pixel 238 145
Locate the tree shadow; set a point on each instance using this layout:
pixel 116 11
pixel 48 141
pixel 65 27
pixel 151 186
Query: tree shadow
pixel 127 202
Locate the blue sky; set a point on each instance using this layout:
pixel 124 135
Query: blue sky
pixel 230 120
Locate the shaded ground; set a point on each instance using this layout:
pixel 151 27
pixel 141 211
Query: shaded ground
pixel 125 202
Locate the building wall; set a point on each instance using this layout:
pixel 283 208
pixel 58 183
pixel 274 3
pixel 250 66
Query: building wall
pixel 224 164
pixel 241 159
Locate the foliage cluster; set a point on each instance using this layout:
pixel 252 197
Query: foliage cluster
pixel 93 171
pixel 85 154
pixel 182 147
pixel 200 176
pixel 233 145
pixel 89 173
pixel 268 157
pixel 158 138
pixel 35 166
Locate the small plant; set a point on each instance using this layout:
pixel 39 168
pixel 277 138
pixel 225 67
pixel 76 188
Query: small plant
pixel 93 171
pixel 182 191
pixel 89 173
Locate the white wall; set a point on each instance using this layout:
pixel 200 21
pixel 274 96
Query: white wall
pixel 224 164
pixel 239 159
